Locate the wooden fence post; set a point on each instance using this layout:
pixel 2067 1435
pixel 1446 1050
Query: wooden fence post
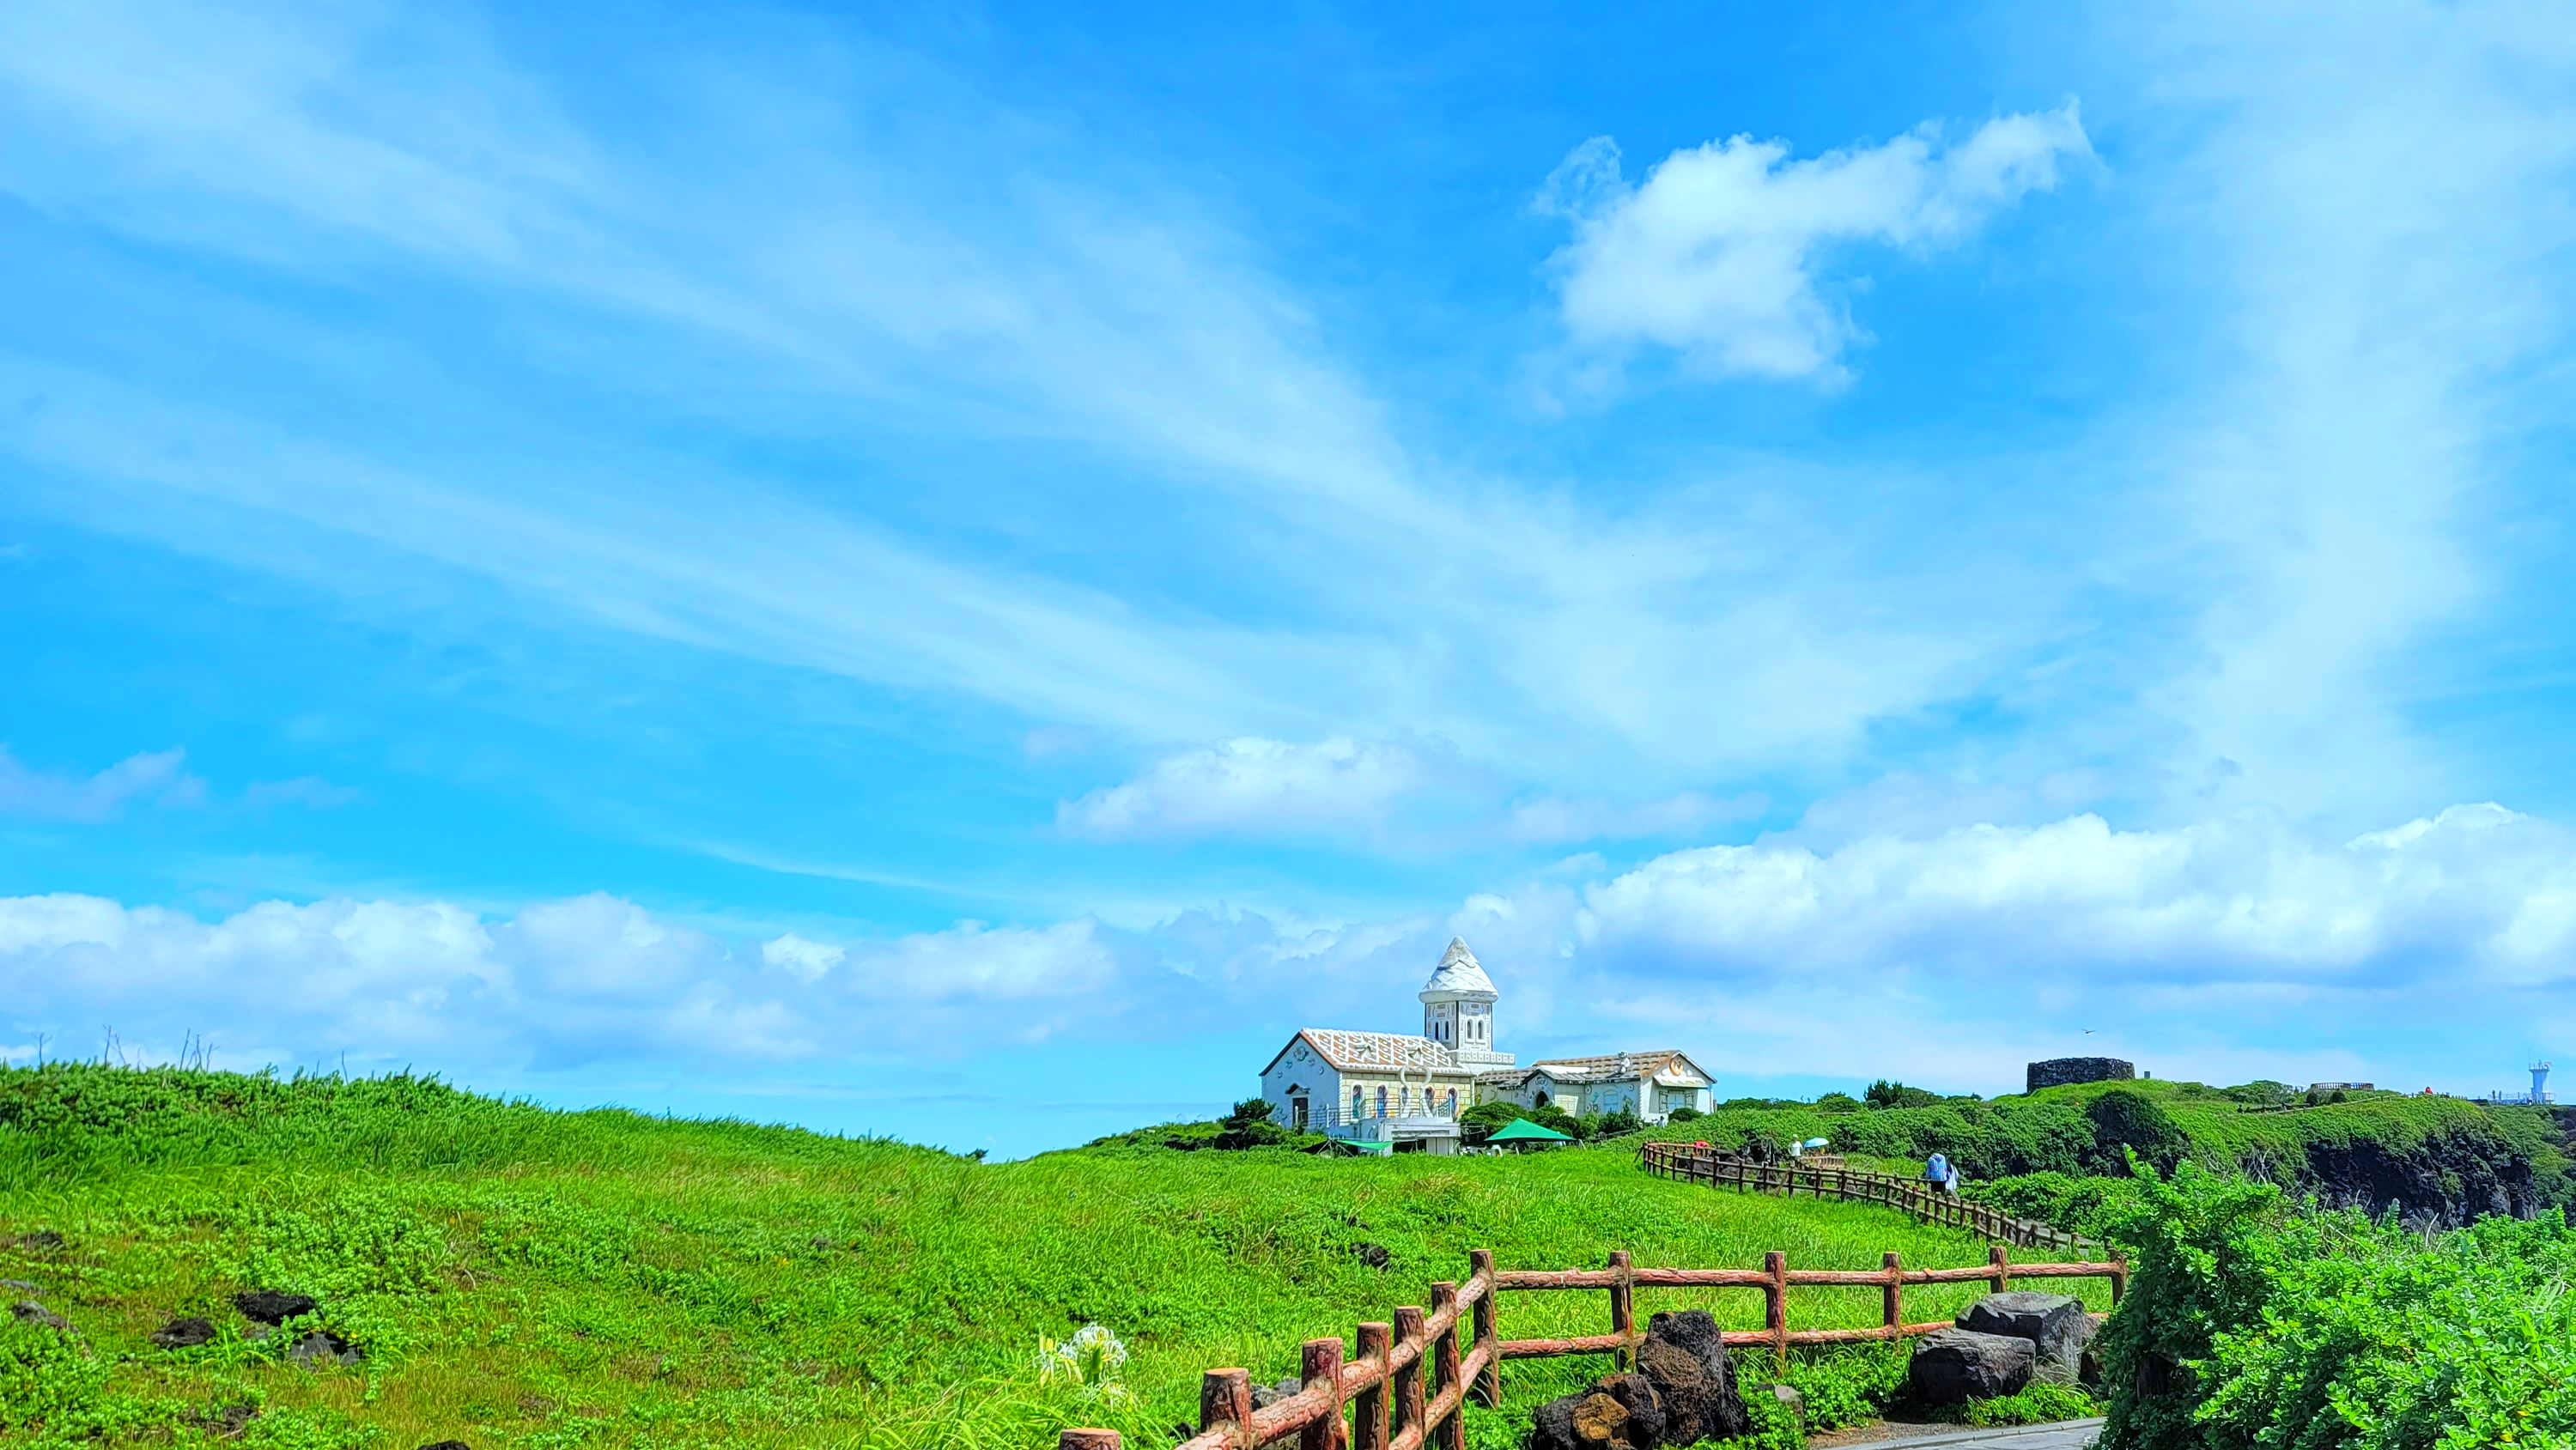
pixel 1891 1300
pixel 2119 1279
pixel 1408 1380
pixel 1444 1364
pixel 1321 1363
pixel 1489 1381
pixel 1087 1440
pixel 1368 1412
pixel 1225 1398
pixel 1999 1259
pixel 1775 1312
pixel 1623 1317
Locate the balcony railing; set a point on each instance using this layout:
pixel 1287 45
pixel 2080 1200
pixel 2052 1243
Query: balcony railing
pixel 1411 1118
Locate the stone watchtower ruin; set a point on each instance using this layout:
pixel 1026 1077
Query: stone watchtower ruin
pixel 2060 1071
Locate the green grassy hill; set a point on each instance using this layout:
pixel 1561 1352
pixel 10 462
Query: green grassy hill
pixel 523 1279
pixel 2374 1151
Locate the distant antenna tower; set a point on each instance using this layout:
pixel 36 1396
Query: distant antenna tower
pixel 2540 1082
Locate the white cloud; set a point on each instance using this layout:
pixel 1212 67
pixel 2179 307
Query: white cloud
pixel 2441 944
pixel 1255 787
pixel 804 960
pixel 53 796
pixel 2476 891
pixel 584 979
pixel 1719 254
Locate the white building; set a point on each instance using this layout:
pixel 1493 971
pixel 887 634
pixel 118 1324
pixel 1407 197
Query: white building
pixel 1407 1092
pixel 1649 1084
pixel 1385 1087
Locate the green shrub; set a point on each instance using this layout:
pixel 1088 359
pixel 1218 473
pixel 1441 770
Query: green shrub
pixel 1683 1115
pixel 2042 1403
pixel 2077 1202
pixel 1885 1094
pixel 2126 1122
pixel 2263 1093
pixel 1848 1386
pixel 1838 1103
pixel 1612 1125
pixel 2249 1326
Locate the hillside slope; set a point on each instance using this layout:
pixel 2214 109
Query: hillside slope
pixel 2446 1157
pixel 524 1278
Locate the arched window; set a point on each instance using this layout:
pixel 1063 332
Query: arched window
pixel 1542 1099
pixel 1355 1100
pixel 1453 1102
pixel 1381 1102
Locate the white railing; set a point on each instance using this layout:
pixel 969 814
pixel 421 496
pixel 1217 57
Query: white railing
pixel 1369 1125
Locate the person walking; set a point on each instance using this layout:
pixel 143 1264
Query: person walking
pixel 1936 1171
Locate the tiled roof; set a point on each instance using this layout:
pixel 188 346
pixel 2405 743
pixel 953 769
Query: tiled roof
pixel 1360 1051
pixel 1665 1064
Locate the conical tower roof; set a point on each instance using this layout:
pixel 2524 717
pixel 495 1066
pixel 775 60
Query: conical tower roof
pixel 1459 974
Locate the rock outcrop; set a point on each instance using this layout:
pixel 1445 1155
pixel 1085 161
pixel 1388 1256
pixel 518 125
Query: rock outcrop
pixel 1953 1366
pixel 2056 1326
pixel 273 1306
pixel 184 1333
pixel 1683 1392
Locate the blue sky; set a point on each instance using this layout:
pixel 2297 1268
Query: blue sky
pixel 963 572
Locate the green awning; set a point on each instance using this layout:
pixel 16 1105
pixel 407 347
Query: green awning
pixel 1522 1130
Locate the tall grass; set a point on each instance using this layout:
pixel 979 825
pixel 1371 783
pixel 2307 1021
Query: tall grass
pixel 526 1278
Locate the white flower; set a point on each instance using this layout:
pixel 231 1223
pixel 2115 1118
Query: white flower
pixel 1090 1360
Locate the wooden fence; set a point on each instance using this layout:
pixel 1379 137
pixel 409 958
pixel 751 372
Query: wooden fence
pixel 1394 1404
pixel 1699 1164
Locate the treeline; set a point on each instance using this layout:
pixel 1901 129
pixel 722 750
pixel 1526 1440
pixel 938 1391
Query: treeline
pixel 2447 1158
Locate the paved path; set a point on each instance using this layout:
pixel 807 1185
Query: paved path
pixel 2064 1435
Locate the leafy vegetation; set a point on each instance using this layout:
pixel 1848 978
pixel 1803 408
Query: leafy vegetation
pixel 531 1280
pixel 2251 1325
pixel 2447 1157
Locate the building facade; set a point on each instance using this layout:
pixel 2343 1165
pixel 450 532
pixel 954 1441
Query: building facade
pixel 1390 1092
pixel 1650 1084
pixel 1386 1088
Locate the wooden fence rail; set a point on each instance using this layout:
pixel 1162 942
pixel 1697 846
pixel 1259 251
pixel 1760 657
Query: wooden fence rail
pixel 1381 1383
pixel 1698 1163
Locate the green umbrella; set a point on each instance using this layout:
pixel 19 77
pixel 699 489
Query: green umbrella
pixel 1522 1130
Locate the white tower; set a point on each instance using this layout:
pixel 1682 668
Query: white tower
pixel 1458 1008
pixel 2540 1082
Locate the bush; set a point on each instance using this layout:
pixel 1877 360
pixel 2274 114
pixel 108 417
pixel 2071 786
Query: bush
pixel 1838 1103
pixel 2263 1093
pixel 2041 1404
pixel 2126 1122
pixel 1612 1125
pixel 2080 1203
pixel 2248 1325
pixel 1885 1094
pixel 1682 1115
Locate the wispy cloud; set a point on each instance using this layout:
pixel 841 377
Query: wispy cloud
pixel 1267 789
pixel 155 777
pixel 1560 820
pixel 821 275
pixel 304 790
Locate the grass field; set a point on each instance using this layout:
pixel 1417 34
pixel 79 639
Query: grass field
pixel 526 1278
